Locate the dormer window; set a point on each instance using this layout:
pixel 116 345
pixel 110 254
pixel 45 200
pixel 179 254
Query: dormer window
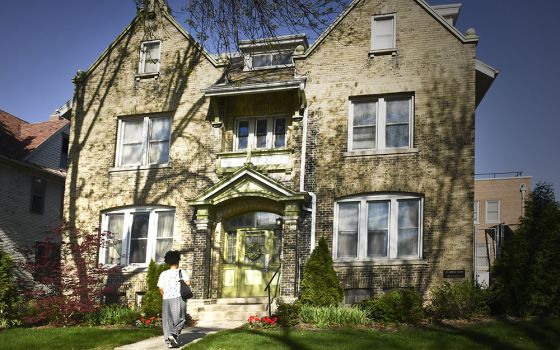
pixel 149 57
pixel 271 59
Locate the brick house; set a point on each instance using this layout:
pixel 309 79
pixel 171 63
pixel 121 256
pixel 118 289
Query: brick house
pixel 33 159
pixel 499 205
pixel 242 162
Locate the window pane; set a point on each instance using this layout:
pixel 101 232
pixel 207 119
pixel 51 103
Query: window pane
pixel 281 58
pixel 132 131
pixel 363 138
pixel 262 128
pixel 38 189
pixel 140 225
pixel 348 229
pixel 279 132
pixel 262 60
pixel 398 111
pixel 378 228
pixel 114 239
pixel 138 250
pixel 396 136
pixel 231 247
pixel 382 33
pixel 242 134
pixel 364 113
pixel 159 152
pixel 131 154
pixel 492 211
pixel 151 57
pixel 160 129
pixel 163 245
pixel 408 221
pixel 165 224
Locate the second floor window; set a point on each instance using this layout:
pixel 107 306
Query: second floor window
pixel 383 32
pixel 260 133
pixel 143 141
pixel 493 212
pixel 380 123
pixel 271 59
pixel 149 57
pixel 38 191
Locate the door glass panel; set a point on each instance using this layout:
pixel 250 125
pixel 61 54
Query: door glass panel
pixel 255 248
pixel 231 256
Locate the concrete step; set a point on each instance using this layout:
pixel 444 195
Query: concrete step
pixel 249 300
pixel 234 307
pixel 209 316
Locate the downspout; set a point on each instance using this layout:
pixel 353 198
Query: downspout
pixel 313 208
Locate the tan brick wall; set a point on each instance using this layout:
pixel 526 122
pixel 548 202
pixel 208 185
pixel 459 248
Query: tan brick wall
pixel 439 70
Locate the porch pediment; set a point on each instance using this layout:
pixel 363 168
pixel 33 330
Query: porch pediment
pixel 247 182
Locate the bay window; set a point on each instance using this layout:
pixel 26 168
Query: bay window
pixel 134 236
pixel 387 226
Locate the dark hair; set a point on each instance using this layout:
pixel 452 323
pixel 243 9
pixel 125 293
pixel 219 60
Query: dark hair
pixel 172 257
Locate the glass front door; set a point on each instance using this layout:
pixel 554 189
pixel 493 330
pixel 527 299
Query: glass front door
pixel 251 256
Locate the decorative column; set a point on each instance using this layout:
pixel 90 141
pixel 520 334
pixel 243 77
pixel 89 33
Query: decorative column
pixel 202 238
pixel 289 249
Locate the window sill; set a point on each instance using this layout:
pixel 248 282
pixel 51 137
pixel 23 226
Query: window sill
pixel 379 262
pixel 139 167
pixel 391 51
pixel 140 76
pixel 376 152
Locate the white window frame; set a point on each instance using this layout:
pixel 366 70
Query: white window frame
pixel 488 221
pixel 271 54
pixel 126 234
pixel 252 137
pixel 144 161
pixel 375 18
pixel 142 63
pixel 393 227
pixel 380 124
pixel 477 212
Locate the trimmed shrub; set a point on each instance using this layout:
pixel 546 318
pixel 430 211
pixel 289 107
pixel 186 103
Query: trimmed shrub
pixel 320 285
pixel 151 303
pixel 288 314
pixel 9 297
pixel 458 301
pixel 397 306
pixel 325 316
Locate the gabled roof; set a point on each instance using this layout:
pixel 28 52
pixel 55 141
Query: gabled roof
pixel 422 3
pixel 18 138
pixel 131 26
pixel 247 182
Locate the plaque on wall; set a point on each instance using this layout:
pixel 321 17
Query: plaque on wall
pixel 453 273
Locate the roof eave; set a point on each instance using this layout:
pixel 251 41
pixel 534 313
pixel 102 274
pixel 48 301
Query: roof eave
pixel 253 88
pixel 485 76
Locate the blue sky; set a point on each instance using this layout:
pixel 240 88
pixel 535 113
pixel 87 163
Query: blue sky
pixel 517 126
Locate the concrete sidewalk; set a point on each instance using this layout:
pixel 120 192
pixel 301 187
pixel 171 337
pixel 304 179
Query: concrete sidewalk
pixel 189 335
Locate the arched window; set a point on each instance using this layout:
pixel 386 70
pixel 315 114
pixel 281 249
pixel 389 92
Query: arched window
pixel 384 226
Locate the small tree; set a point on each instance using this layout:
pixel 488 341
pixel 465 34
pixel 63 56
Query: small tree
pixel 526 280
pixel 320 285
pixel 8 291
pixel 151 303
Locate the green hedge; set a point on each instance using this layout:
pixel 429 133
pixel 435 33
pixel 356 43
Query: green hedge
pixel 326 316
pixel 458 301
pixel 397 306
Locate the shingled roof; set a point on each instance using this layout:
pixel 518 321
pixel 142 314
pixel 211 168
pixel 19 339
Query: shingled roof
pixel 18 138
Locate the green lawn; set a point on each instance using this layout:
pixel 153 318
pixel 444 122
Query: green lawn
pixel 71 338
pixel 490 335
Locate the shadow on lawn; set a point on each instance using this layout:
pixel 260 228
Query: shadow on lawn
pixel 545 334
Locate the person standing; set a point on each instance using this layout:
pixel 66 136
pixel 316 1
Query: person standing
pixel 173 309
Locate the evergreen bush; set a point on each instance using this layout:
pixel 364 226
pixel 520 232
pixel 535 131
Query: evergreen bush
pixel 320 285
pixel 462 300
pixel 9 297
pixel 151 303
pixel 526 278
pixel 288 314
pixel 397 306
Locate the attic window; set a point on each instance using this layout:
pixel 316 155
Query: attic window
pixel 149 57
pixel 272 59
pixel 383 36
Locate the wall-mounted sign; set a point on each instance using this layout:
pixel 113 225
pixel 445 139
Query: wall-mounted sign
pixel 453 273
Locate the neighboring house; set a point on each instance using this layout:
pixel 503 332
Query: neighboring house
pixel 33 159
pixel 499 204
pixel 365 138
